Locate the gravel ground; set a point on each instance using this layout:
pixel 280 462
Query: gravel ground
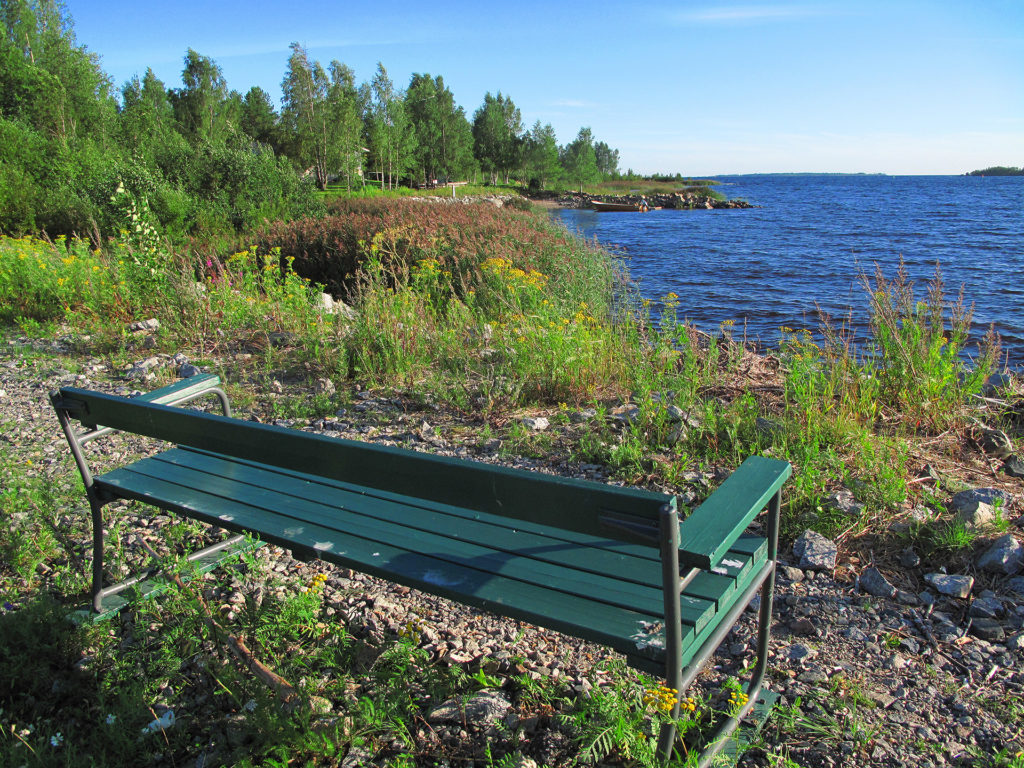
pixel 900 681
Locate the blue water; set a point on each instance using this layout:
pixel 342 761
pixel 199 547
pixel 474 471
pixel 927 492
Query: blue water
pixel 805 245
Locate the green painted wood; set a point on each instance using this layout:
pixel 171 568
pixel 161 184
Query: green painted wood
pixel 692 645
pixel 708 533
pixel 529 496
pixel 546 606
pixel 179 390
pixel 370 518
pixel 632 562
pixel 603 553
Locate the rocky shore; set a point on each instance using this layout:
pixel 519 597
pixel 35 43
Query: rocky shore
pixel 879 663
pixel 689 200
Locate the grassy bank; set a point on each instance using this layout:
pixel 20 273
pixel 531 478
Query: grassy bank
pixel 495 311
pixel 487 315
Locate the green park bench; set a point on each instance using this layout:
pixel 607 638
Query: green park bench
pixel 615 566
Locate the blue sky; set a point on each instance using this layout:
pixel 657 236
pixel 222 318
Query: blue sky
pixel 701 88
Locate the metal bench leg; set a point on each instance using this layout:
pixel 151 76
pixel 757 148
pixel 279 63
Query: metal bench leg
pixel 97 552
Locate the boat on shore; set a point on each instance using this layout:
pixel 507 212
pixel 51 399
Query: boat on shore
pixel 641 207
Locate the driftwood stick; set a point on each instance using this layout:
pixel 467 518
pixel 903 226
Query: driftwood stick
pixel 284 690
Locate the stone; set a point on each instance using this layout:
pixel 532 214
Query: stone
pixel 985 608
pixel 791 573
pixel 579 417
pixel 996 443
pixel 1015 643
pixel 874 583
pixel 815 552
pixel 767 427
pixel 1016 584
pixel 624 414
pixel 481 709
pixel 675 414
pixel 988 629
pixel 951 585
pixel 909 558
pixel 1014 467
pixel 978 505
pixel 324 386
pixel 151 324
pixel 1005 556
pixel 536 423
pixel 843 502
pixel 797 653
pixel 187 371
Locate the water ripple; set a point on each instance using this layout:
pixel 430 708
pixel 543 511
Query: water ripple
pixel 812 238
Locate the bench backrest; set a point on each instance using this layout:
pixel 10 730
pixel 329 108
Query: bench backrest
pixel 625 514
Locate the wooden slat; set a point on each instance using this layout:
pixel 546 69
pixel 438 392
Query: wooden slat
pixel 708 533
pixel 635 562
pixel 589 619
pixel 528 496
pixel 692 645
pixel 179 390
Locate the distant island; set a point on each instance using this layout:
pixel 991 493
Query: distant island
pixel 998 170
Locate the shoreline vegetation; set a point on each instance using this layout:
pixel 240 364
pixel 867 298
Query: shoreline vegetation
pixel 998 170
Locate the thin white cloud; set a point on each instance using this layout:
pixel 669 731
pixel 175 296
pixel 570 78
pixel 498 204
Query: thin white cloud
pixel 749 13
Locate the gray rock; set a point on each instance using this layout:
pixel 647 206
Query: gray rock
pixel 145 325
pixel 1005 556
pixel 767 427
pixel 578 417
pixel 1014 467
pixel 985 608
pixel 536 423
pixel 797 653
pixel 1016 643
pixel 482 709
pixel 909 558
pixel 843 502
pixel 187 371
pixel 815 552
pixel 874 583
pixel 1016 584
pixel 996 443
pixel 977 506
pixel 324 386
pixel 952 585
pixel 791 573
pixel 988 629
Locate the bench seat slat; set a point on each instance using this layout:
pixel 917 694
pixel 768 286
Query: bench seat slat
pixel 348 514
pixel 633 560
pixel 209 487
pixel 550 545
pixel 589 619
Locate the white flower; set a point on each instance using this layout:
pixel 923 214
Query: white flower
pixel 57 739
pixel 111 719
pixel 250 705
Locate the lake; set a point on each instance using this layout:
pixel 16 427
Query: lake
pixel 810 238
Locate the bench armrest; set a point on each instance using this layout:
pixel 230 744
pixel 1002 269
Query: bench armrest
pixel 711 529
pixel 181 391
